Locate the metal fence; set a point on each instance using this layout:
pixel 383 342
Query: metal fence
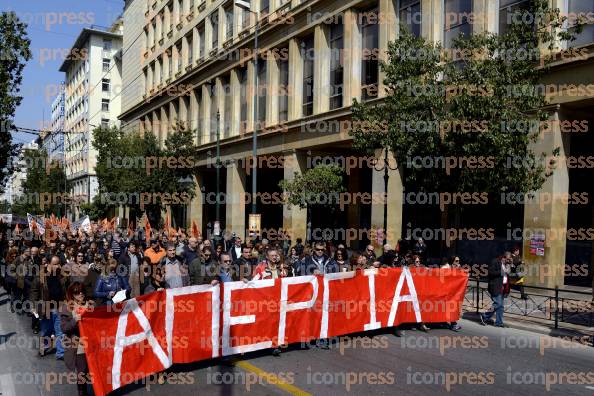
pixel 551 304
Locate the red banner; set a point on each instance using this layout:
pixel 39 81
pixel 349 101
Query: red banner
pixel 142 336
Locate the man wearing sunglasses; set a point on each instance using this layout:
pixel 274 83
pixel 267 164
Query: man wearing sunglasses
pixel 318 263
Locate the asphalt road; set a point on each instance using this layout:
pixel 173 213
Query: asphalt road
pixel 476 361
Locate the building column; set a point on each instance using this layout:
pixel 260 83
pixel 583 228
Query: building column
pixel 164 124
pixel 295 80
pixel 394 198
pixel 431 26
pixel 353 211
pixel 236 103
pixel 196 205
pixel 387 33
pixel 541 218
pixel 322 88
pixel 487 11
pixel 272 90
pixel 352 57
pixel 235 199
pixel 194 113
pixel 294 218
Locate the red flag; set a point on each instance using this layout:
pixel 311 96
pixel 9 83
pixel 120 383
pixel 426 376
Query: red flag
pixel 195 230
pixel 147 231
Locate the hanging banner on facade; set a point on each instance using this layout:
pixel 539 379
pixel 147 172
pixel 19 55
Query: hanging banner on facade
pixel 138 337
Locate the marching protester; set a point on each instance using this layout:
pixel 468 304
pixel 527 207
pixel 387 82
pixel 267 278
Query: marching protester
pixel 47 293
pixel 176 273
pixel 110 283
pixel 130 262
pixel 499 270
pixel 74 354
pixel 154 252
pixel 156 282
pixel 245 264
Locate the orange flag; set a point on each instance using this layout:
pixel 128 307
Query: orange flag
pixel 53 219
pixel 167 222
pixel 17 229
pixel 112 224
pixel 104 224
pixel 130 230
pixel 195 230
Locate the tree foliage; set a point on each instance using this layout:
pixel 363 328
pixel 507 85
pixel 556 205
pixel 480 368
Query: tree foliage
pixel 478 101
pixel 43 187
pixel 317 186
pixel 14 53
pixel 132 164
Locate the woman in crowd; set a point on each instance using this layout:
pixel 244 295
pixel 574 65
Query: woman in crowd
pixel 110 283
pixel 156 281
pixel 74 355
pixel 10 275
pixel 340 256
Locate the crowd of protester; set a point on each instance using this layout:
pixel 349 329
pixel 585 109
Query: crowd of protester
pixel 54 281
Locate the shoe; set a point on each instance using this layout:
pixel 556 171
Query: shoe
pixel 276 352
pixel 501 325
pixel 323 344
pixel 398 333
pixel 60 358
pixel 482 318
pixel 424 328
pixel 455 327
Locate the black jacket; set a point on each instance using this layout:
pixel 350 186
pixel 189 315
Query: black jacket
pixel 495 278
pixel 309 265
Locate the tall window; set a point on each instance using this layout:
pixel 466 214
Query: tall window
pixel 283 100
pixel 410 16
pixel 336 65
pixel 190 49
pixel 583 8
pixel 264 7
pixel 245 16
pixel 213 113
pixel 456 20
pixel 228 105
pixel 370 65
pixel 105 65
pixel 170 63
pixel 507 8
pixel 214 23
pixel 107 45
pixel 308 75
pixel 178 49
pixel 200 111
pixel 243 82
pixel 188 120
pixel 104 104
pixel 105 85
pixel 262 92
pixel 228 23
pixel 201 41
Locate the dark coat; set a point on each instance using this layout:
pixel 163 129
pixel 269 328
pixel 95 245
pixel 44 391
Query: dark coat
pixel 495 276
pixel 309 265
pixel 75 362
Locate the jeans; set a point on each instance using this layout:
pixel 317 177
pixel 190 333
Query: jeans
pixel 17 298
pixel 497 310
pixel 52 326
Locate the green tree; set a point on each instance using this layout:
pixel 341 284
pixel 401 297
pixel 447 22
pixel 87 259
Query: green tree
pixel 132 164
pixel 14 53
pixel 320 186
pixel 480 100
pixel 44 185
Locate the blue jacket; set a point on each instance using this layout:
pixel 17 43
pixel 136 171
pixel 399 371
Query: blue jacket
pixel 107 284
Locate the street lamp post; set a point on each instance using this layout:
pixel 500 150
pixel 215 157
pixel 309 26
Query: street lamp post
pixel 218 166
pixel 246 5
pixel 387 168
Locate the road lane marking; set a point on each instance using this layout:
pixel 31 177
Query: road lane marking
pixel 272 379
